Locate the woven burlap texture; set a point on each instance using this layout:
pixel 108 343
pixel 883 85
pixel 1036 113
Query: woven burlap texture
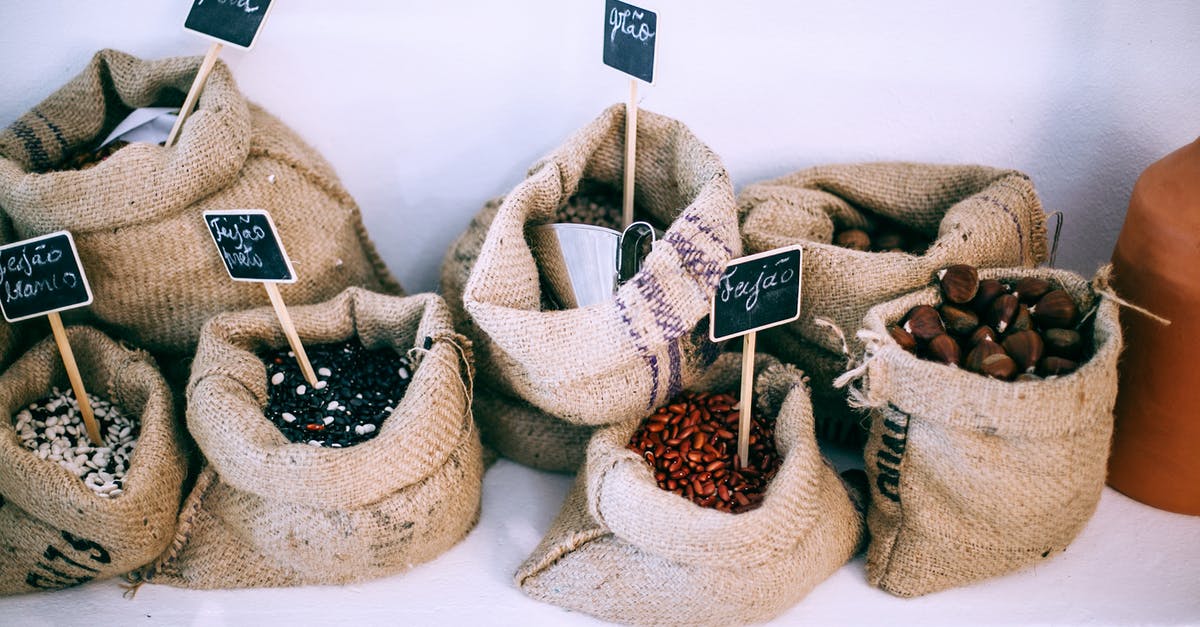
pixel 617 360
pixel 974 477
pixel 982 216
pixel 625 550
pixel 54 530
pixel 136 217
pixel 266 512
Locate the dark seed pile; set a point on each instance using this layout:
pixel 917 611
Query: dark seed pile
pixel 691 444
pixel 356 390
pixel 595 204
pixel 53 429
pixel 87 158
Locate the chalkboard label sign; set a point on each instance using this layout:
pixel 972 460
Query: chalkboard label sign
pixel 629 37
pixel 233 22
pixel 249 245
pixel 42 275
pixel 757 292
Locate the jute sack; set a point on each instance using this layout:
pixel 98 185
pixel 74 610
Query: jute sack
pixel 983 216
pixel 266 512
pixel 617 360
pixel 974 477
pixel 623 549
pixel 529 436
pixel 56 532
pixel 136 217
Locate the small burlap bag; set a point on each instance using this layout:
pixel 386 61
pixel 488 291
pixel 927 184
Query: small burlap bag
pixel 266 512
pixel 982 216
pixel 56 532
pixel 136 217
pixel 974 477
pixel 625 550
pixel 617 360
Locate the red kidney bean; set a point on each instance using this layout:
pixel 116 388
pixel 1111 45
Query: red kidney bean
pixel 691 447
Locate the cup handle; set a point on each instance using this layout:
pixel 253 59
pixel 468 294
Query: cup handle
pixel 629 251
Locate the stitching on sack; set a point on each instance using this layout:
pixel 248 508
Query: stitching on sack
pixel 165 564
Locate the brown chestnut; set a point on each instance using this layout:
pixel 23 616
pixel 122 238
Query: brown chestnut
pixel 959 282
pixel 1030 289
pixel 924 323
pixel 1026 348
pixel 1022 321
pixel 903 338
pixel 984 332
pixel 1002 311
pixel 1055 310
pixel 854 239
pixel 959 320
pixel 1051 366
pixel 1063 343
pixel 943 348
pixel 988 290
pixel 999 366
pixel 982 350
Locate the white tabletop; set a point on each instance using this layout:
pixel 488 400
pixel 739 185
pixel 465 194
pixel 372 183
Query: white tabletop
pixel 1132 564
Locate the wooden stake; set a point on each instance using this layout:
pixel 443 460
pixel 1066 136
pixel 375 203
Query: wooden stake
pixel 745 401
pixel 68 357
pixel 630 152
pixel 193 95
pixel 289 329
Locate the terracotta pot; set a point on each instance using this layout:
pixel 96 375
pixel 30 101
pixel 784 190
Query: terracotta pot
pixel 1155 458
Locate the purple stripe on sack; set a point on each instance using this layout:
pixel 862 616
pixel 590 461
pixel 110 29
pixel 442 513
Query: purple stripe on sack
pixel 1016 221
pixel 643 352
pixel 33 146
pixel 675 386
pixel 63 146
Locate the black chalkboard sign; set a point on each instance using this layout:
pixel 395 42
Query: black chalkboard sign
pixel 757 292
pixel 234 22
pixel 40 276
pixel 249 245
pixel 629 37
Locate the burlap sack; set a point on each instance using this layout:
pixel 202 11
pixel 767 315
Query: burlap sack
pixel 624 550
pixel 266 512
pixel 983 216
pixel 618 360
pixel 973 477
pixel 136 217
pixel 56 532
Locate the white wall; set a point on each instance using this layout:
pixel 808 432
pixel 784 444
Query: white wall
pixel 427 109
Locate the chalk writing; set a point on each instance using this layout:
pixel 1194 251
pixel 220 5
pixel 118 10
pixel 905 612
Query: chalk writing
pixel 249 245
pixel 630 34
pixel 41 275
pixel 757 292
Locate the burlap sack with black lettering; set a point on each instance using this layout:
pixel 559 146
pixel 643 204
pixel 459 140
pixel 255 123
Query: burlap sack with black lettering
pixel 136 217
pixel 609 362
pixel 624 550
pixel 974 477
pixel 56 532
pixel 986 217
pixel 266 512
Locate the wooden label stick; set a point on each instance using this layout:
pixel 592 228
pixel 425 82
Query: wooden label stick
pixel 193 94
pixel 745 400
pixel 42 276
pixel 251 248
pixel 68 357
pixel 630 153
pixel 289 329
pixel 629 40
pixel 755 292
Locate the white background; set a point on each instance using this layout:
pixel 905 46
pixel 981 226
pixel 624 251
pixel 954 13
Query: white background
pixel 427 109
